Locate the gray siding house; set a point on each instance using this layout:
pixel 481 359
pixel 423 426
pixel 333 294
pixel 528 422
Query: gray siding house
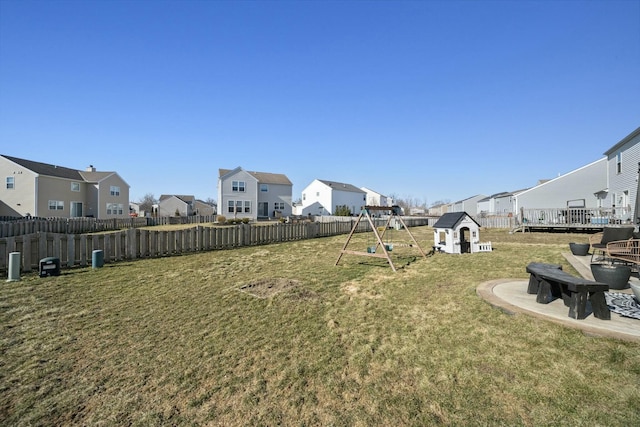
pixel 253 195
pixel 581 186
pixel 176 205
pixel 623 164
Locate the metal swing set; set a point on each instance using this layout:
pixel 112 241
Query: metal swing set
pixel 373 251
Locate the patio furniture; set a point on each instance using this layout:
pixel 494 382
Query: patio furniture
pixel 579 249
pixel 575 291
pixel 627 251
pixel 599 241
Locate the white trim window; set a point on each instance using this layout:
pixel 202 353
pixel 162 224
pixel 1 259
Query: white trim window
pixel 115 209
pixel 247 206
pixel 238 186
pixel 75 186
pixel 279 206
pixel 264 188
pixel 56 205
pixel 11 183
pixel 114 190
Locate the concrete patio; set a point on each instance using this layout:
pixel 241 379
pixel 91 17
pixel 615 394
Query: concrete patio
pixel 511 296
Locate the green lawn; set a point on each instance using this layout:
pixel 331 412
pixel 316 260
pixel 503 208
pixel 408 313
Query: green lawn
pixel 279 335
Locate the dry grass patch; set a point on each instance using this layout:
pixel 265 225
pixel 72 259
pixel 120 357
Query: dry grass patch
pixel 172 341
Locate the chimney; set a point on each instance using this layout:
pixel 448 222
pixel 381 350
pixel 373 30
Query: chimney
pixel 90 168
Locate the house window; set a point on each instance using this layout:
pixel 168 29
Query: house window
pixel 75 186
pixel 619 163
pixel 279 206
pixel 264 188
pixel 11 183
pixel 114 209
pixel 115 190
pixel 304 196
pixel 238 186
pixel 231 205
pixel 56 205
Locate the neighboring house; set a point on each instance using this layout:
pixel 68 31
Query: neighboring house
pixel 46 190
pixel 458 233
pixel 134 209
pixel 580 188
pixel 439 209
pixel 204 208
pixel 496 204
pixel 376 199
pixel 623 160
pixel 468 205
pixel 322 197
pixel 254 195
pixel 176 205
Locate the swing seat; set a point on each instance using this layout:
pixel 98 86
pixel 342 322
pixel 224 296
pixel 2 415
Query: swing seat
pixel 371 249
pixel 389 246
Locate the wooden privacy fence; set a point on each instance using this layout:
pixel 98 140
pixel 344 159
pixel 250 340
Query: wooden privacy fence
pixel 75 250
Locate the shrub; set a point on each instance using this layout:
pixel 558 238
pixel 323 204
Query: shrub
pixel 221 219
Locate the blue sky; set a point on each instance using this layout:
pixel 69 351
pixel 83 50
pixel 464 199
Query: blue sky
pixel 425 100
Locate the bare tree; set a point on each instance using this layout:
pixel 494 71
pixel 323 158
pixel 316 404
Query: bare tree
pixel 147 202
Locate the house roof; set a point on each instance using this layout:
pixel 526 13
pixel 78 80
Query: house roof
pixel 341 186
pixel 46 169
pixel 184 198
pixel 622 142
pixel 262 177
pixel 452 219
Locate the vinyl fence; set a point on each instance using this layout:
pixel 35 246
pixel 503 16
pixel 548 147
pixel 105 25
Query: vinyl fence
pixel 75 250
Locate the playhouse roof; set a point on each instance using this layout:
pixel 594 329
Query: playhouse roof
pixel 452 219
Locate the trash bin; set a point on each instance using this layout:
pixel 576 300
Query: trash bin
pixel 97 258
pixel 49 266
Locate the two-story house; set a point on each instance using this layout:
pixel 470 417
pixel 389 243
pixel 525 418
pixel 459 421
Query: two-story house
pixel 253 195
pixel 376 199
pixel 323 197
pixel 623 168
pixel 44 190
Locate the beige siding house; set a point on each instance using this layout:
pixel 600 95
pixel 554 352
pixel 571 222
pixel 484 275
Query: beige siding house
pixel 37 189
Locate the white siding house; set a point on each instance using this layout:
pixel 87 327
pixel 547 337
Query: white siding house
pixel 376 199
pixel 253 195
pixel 322 197
pixel 581 184
pixel 623 164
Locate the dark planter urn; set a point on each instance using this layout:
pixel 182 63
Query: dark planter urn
pixel 616 276
pixel 579 249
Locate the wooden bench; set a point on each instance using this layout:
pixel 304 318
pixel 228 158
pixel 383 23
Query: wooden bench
pixel 549 281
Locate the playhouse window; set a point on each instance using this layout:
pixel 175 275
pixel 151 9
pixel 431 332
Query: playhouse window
pixel 442 237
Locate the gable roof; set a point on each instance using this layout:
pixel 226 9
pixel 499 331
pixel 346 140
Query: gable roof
pixel 184 198
pixel 341 186
pixel 46 169
pixel 262 177
pixel 622 142
pixel 452 219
